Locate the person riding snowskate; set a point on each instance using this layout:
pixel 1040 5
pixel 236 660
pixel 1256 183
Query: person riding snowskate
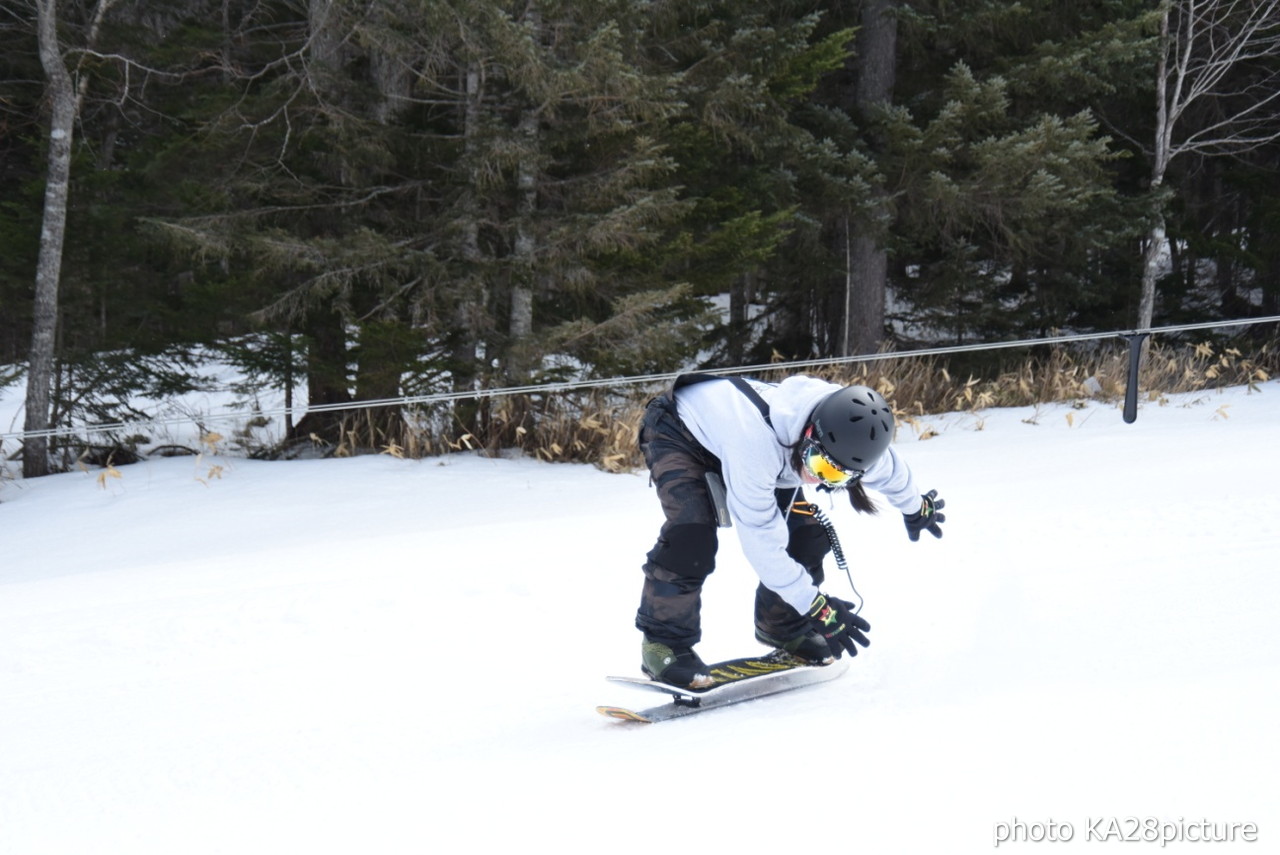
pixel 726 448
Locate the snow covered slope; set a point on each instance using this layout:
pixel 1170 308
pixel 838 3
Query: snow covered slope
pixel 384 656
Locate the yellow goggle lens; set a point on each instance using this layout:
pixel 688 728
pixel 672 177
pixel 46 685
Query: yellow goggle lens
pixel 821 467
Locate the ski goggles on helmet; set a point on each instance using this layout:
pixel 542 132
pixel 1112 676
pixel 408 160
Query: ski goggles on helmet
pixel 819 464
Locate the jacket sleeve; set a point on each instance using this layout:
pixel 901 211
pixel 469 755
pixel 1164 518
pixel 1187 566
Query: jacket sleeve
pixel 762 530
pixel 890 476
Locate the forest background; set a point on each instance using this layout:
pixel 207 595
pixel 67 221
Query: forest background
pixel 381 200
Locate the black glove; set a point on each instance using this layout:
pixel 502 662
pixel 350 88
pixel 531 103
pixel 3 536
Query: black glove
pixel 927 518
pixel 837 623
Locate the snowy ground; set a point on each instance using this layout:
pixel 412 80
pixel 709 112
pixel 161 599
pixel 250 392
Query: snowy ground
pixel 384 656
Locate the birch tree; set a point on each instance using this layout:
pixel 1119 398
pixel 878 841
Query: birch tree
pixel 1217 92
pixel 66 93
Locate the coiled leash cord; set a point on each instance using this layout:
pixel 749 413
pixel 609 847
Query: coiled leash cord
pixel 837 552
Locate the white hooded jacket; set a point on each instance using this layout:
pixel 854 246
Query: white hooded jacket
pixel 755 460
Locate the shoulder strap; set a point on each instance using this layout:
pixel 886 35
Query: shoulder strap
pixel 742 385
pixel 754 397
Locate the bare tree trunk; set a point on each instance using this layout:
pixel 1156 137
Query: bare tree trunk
pixel 467 312
pixel 867 261
pixel 741 292
pixel 64 99
pixel 1156 237
pixel 867 289
pixel 327 381
pixel 523 284
pixel 520 327
pixel 1151 254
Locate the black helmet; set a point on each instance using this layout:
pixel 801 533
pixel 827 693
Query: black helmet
pixel 854 425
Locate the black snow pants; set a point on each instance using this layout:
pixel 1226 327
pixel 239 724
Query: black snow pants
pixel 685 553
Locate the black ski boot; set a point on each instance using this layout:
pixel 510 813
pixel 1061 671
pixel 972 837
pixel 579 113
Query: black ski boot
pixel 679 666
pixel 809 646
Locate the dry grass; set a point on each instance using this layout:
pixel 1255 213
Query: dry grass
pixel 599 426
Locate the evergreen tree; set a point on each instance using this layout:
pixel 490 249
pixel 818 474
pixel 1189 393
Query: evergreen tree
pixel 430 174
pixel 756 162
pixel 1005 199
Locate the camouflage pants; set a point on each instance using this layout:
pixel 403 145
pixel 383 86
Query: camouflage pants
pixel 685 553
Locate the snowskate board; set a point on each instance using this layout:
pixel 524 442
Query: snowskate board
pixel 743 679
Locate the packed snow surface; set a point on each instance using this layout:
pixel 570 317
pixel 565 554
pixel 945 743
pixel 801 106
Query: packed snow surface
pixel 376 655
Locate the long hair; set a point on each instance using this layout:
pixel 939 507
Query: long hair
pixel 858 497
pixel 860 500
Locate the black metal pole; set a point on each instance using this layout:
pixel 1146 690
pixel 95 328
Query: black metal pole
pixel 1131 386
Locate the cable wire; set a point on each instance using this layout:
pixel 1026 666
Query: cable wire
pixel 613 382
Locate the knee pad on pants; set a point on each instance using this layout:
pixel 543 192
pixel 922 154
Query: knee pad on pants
pixel 685 552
